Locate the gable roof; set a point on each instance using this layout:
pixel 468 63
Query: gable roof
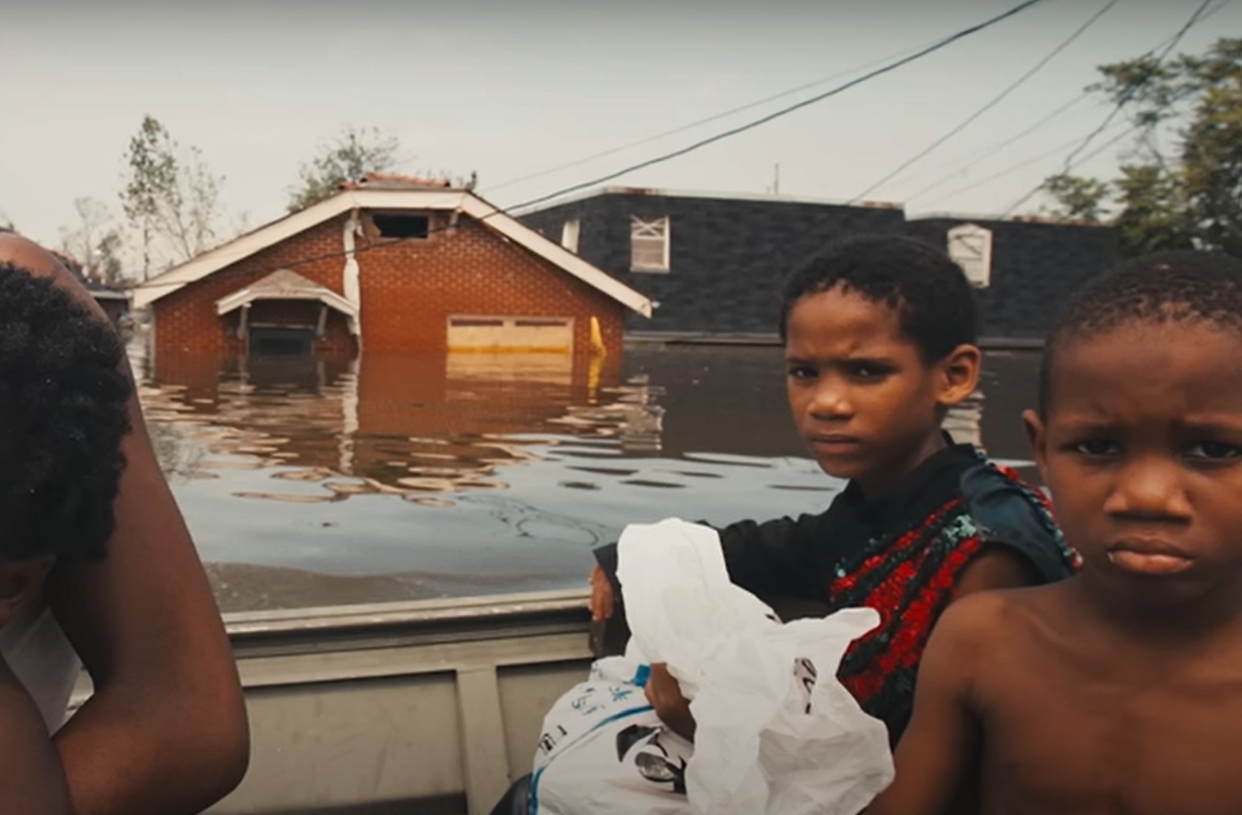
pixel 750 197
pixel 285 285
pixel 407 198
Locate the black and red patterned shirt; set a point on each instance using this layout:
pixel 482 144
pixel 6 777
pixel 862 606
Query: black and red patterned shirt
pixel 900 553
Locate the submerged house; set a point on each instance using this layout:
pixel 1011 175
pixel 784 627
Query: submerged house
pixel 114 301
pixel 1025 269
pixel 389 264
pixel 715 264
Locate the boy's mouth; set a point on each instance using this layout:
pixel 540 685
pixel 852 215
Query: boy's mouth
pixel 1150 557
pixel 835 444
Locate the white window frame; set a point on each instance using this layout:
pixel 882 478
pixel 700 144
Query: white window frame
pixel 647 232
pixel 970 246
pixel 571 230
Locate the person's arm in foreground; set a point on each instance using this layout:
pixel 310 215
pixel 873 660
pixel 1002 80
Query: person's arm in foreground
pixel 941 744
pixel 165 731
pixel 32 782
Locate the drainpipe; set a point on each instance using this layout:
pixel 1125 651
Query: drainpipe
pixel 352 286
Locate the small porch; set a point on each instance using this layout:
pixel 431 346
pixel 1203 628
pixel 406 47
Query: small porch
pixel 286 314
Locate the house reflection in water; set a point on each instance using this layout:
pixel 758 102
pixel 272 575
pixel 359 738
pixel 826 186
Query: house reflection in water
pixel 415 425
pixel 432 427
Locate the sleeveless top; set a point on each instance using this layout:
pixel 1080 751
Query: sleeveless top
pixel 40 655
pixel 909 578
pixel 900 553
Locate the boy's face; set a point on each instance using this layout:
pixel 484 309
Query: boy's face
pixel 864 400
pixel 1141 446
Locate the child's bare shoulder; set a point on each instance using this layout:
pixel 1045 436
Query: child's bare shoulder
pixel 983 618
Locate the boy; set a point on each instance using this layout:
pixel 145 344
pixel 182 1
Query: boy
pixel 63 412
pixel 880 342
pixel 1119 690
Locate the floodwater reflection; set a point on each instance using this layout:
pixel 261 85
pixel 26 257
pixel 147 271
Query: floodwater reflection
pixel 398 425
pixel 325 481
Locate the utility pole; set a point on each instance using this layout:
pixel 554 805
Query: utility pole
pixel 776 181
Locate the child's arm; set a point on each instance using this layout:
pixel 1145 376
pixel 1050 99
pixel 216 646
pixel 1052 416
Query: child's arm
pixel 941 744
pixel 165 730
pixel 776 558
pixel 31 782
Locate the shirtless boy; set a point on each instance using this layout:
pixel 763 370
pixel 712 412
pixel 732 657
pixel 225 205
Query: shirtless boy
pixel 1119 690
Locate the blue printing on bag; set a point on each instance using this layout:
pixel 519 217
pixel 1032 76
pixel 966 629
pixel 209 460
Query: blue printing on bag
pixel 534 780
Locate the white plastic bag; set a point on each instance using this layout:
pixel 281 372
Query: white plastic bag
pixel 776 732
pixel 604 751
pixel 764 742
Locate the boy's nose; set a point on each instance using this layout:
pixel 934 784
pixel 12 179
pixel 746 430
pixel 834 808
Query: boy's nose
pixel 1151 490
pixel 831 402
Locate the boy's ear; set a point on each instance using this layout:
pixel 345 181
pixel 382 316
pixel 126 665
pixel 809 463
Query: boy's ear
pixel 20 581
pixel 1037 437
pixel 960 372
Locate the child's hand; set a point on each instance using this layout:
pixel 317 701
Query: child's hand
pixel 601 595
pixel 664 694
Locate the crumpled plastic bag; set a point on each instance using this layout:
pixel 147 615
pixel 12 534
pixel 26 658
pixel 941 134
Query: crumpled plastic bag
pixel 776 732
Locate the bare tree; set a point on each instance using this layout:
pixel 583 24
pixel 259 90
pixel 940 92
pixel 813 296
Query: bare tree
pixel 190 215
pixel 81 240
pixel 171 197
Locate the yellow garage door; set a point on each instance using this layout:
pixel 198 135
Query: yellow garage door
pixel 523 335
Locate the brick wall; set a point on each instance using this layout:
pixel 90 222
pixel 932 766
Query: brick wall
pixel 408 291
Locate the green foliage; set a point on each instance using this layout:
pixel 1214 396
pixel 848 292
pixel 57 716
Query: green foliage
pixel 1181 186
pixel 348 156
pixel 1077 197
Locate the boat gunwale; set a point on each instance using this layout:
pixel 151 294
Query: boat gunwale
pixel 567 604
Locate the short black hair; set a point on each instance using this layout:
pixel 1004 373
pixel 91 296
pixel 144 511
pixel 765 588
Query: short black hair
pixel 934 300
pixel 1166 287
pixel 63 413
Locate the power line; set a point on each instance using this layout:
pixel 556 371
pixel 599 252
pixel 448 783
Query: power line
pixel 1082 29
pixel 1028 162
pixel 1038 125
pixel 786 110
pixel 564 191
pixel 1071 160
pixel 700 122
pixel 999 146
pixel 498 211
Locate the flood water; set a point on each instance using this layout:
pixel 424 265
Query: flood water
pixel 328 482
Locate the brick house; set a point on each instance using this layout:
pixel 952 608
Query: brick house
pixel 715 264
pixel 389 264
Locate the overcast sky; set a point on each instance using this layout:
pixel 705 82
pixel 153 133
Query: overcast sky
pixel 514 89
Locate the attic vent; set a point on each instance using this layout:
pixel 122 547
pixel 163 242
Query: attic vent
pixel 649 244
pixel 970 246
pixel 402 226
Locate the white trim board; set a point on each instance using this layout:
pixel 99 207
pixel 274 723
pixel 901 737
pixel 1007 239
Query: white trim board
pixel 471 205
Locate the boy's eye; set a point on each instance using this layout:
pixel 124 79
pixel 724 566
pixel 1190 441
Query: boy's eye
pixel 1214 451
pixel 1096 447
pixel 866 370
pixel 801 372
